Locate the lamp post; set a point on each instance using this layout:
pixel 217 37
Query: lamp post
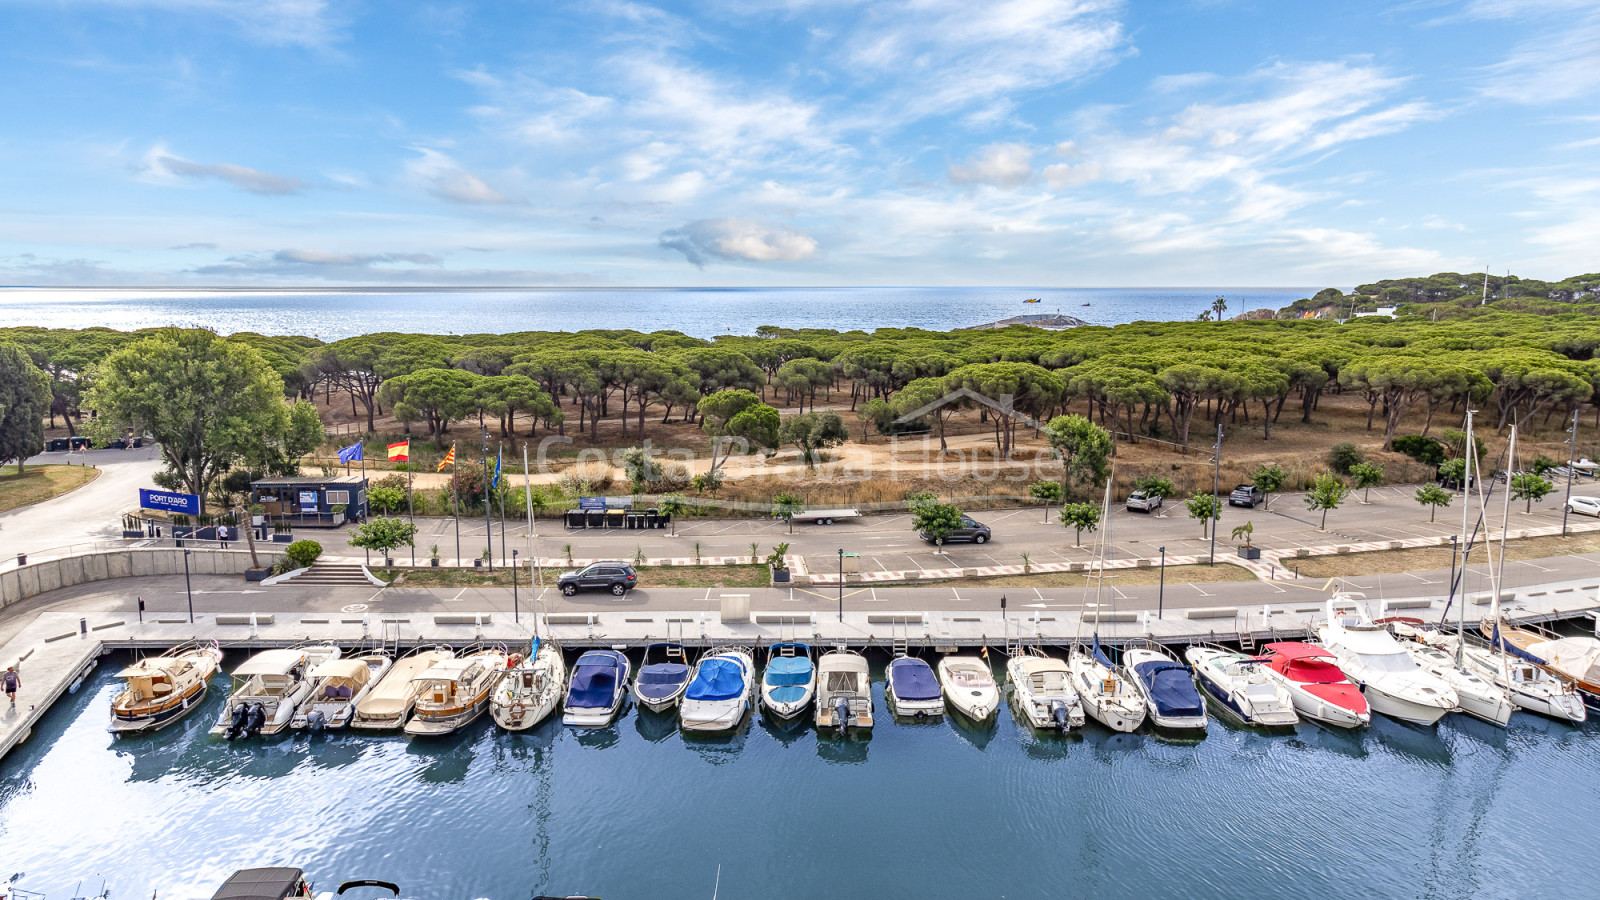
pixel 1161 592
pixel 1216 484
pixel 514 603
pixel 841 584
pixel 187 587
pixel 1572 457
pixel 488 526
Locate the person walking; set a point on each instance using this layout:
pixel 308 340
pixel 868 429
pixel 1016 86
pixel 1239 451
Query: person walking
pixel 11 681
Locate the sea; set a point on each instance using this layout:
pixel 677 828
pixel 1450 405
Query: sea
pixel 701 312
pixel 935 809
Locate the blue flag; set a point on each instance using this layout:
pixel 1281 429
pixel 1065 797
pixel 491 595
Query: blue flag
pixel 499 454
pixel 350 454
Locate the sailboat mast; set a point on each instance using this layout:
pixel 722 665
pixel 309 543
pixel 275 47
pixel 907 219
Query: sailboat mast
pixel 1469 474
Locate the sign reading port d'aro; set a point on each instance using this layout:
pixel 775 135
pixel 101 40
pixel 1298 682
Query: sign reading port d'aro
pixel 169 501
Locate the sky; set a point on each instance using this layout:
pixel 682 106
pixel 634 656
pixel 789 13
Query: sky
pixel 796 142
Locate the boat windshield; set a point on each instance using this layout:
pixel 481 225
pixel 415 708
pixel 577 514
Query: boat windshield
pixel 1389 663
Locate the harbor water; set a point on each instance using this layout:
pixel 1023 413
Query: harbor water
pixel 934 809
pixel 702 312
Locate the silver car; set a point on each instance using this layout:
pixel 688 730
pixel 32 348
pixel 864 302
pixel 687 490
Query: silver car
pixel 1587 506
pixel 1144 501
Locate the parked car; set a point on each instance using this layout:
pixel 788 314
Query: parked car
pixel 1245 495
pixel 1144 501
pixel 616 577
pixel 969 530
pixel 1586 506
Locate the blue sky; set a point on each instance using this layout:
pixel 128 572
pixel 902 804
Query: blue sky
pixel 735 142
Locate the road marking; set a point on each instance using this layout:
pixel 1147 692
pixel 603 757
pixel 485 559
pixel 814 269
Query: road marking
pixel 354 608
pixel 1202 593
pixel 456 598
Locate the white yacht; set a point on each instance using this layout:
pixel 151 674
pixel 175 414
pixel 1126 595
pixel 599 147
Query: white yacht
pixel 1171 699
pixel 844 691
pixel 719 695
pixel 969 686
pixel 339 684
pixel 1476 696
pixel 389 704
pixel 1391 681
pixel 1041 687
pixel 160 690
pixel 455 692
pixel 531 688
pixel 1107 697
pixel 268 688
pixel 1244 686
pixel 1531 688
pixel 597 690
pixel 911 689
pixel 789 681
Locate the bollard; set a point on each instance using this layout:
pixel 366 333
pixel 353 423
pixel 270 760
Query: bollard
pixel 366 624
pixel 254 631
pixel 83 626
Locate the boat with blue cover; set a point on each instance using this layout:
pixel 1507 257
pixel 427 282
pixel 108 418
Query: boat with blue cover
pixel 1171 699
pixel 789 683
pixel 912 689
pixel 663 676
pixel 719 695
pixel 598 689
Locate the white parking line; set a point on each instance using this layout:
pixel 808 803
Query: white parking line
pixel 1202 593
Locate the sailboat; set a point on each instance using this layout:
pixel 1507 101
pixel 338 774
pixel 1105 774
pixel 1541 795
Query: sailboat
pixel 532 686
pixel 1107 698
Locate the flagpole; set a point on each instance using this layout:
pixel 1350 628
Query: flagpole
pixel 411 513
pixel 499 464
pixel 533 545
pixel 488 507
pixel 455 500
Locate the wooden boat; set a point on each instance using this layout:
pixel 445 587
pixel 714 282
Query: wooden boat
pixel 532 687
pixel 162 689
pixel 339 685
pixel 390 702
pixel 455 693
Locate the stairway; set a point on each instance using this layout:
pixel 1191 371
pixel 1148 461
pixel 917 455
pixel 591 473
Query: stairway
pixel 335 574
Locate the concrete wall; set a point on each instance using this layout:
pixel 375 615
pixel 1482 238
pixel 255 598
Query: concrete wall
pixel 49 575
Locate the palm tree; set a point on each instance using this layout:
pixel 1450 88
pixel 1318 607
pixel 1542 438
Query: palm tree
pixel 1204 316
pixel 1219 306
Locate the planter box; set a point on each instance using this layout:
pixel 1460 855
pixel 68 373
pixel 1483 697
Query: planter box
pixel 132 533
pixel 283 538
pixel 780 576
pixel 477 564
pixel 258 521
pixel 434 563
pixel 257 574
pixel 1249 552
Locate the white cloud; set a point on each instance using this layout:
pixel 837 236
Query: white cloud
pixel 308 23
pixel 1001 165
pixel 1562 63
pixel 162 166
pixel 738 240
pixel 444 178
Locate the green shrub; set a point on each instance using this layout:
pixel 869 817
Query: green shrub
pixel 1343 456
pixel 303 553
pixel 1426 450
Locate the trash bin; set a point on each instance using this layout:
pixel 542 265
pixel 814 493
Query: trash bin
pixel 596 518
pixel 574 518
pixel 616 518
pixel 663 520
pixel 635 521
pixel 652 518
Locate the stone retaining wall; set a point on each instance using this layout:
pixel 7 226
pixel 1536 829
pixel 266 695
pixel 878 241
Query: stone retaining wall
pixel 53 574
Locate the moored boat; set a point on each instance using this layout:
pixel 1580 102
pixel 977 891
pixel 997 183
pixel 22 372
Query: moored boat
pixel 844 691
pixel 969 686
pixel 598 689
pixel 789 681
pixel 719 695
pixel 1392 682
pixel 389 703
pixel 1530 687
pixel 1041 687
pixel 1171 699
pixel 663 676
pixel 1575 660
pixel 1241 685
pixel 455 692
pixel 267 689
pixel 160 690
pixel 1319 689
pixel 911 689
pixel 1475 695
pixel 338 685
pixel 531 688
pixel 1107 697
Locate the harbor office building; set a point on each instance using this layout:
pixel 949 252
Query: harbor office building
pixel 310 501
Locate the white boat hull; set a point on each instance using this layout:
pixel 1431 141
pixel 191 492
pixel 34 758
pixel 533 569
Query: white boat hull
pixel 712 715
pixel 1312 707
pixel 280 710
pixel 1403 708
pixel 1122 712
pixel 438 726
pixel 590 717
pixel 789 709
pixel 915 709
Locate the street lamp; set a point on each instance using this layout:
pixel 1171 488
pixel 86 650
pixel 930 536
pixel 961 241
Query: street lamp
pixel 1216 484
pixel 1161 592
pixel 187 587
pixel 1572 456
pixel 841 584
pixel 514 603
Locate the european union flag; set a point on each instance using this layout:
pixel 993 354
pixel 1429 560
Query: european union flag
pixel 498 456
pixel 350 454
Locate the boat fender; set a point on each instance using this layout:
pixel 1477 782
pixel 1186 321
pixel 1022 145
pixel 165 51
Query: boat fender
pixel 514 661
pixel 841 712
pixel 1058 712
pixel 316 721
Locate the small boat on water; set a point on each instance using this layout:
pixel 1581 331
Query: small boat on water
pixel 1243 686
pixel 532 686
pixel 1476 696
pixel 389 703
pixel 663 676
pixel 1392 682
pixel 1041 687
pixel 455 692
pixel 268 688
pixel 912 689
pixel 789 682
pixel 969 686
pixel 844 691
pixel 1032 300
pixel 598 689
pixel 339 685
pixel 160 690
pixel 1107 697
pixel 1575 660
pixel 1530 687
pixel 719 695
pixel 1318 687
pixel 1171 699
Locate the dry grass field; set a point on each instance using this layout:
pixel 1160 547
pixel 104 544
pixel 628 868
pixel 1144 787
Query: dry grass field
pixel 38 483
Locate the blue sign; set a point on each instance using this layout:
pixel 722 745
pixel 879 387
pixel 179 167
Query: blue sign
pixel 308 501
pixel 598 503
pixel 169 501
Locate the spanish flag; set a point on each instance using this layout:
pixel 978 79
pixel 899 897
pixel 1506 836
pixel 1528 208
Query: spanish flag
pixel 449 458
pixel 985 654
pixel 400 452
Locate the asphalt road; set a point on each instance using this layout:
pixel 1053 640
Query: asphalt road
pixel 90 513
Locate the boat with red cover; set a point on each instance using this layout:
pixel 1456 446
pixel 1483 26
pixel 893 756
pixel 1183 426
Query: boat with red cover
pixel 1320 689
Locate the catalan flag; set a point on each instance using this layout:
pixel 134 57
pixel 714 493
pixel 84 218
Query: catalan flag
pixel 985 654
pixel 449 458
pixel 400 452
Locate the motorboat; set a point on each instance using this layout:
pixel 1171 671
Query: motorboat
pixel 1041 687
pixel 389 703
pixel 1392 682
pixel 1107 697
pixel 1476 696
pixel 663 676
pixel 844 691
pixel 912 689
pixel 160 690
pixel 1243 686
pixel 598 689
pixel 719 695
pixel 455 692
pixel 1318 687
pixel 268 688
pixel 290 883
pixel 1171 699
pixel 1530 687
pixel 1575 660
pixel 969 686
pixel 532 686
pixel 339 684
pixel 789 682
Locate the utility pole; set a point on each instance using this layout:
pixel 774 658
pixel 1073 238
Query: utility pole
pixel 841 584
pixel 1216 479
pixel 187 587
pixel 514 602
pixel 488 523
pixel 1572 457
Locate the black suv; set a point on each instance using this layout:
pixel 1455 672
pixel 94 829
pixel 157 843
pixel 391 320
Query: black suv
pixel 1245 495
pixel 616 577
pixel 969 530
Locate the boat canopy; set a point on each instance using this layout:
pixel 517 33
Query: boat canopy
pixel 788 671
pixel 594 680
pixel 716 678
pixel 449 669
pixel 664 673
pixel 1171 689
pixel 354 672
pixel 274 883
pixel 271 662
pixel 913 680
pixel 1293 650
pixel 1575 657
pixel 842 662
